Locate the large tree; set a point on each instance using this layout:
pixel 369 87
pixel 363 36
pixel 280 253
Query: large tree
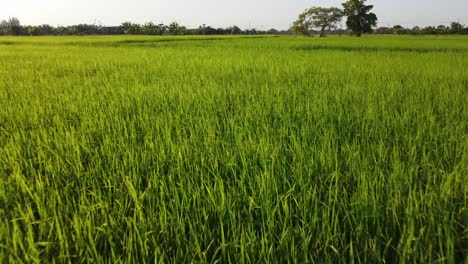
pixel 360 19
pixel 317 17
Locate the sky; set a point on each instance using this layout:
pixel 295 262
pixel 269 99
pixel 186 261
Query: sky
pixel 259 14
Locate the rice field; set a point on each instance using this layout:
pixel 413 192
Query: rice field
pixel 234 149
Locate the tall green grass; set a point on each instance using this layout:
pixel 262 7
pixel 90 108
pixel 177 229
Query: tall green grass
pixel 227 149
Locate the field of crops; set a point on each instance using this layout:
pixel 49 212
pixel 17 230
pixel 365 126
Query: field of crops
pixel 234 149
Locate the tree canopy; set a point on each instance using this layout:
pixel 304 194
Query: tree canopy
pixel 360 19
pixel 317 17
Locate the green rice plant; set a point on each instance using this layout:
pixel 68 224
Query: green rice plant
pixel 234 149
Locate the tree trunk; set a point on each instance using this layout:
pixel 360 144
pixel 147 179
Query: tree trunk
pixel 322 32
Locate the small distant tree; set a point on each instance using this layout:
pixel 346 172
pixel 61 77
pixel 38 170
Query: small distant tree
pixel 46 29
pixel 14 26
pixel 442 29
pixel 456 28
pixel 317 17
pixel 150 28
pixel 429 30
pixel 59 31
pixel 88 29
pixel 33 30
pixel 201 29
pixel 176 29
pixel 252 31
pixel 3 27
pixel 360 19
pixel 72 30
pixel 221 31
pixel 272 31
pixel 127 27
pixel 182 30
pixel 383 30
pixel 162 28
pixel 415 30
pixel 398 29
pixel 131 28
pixel 234 30
pixel 208 30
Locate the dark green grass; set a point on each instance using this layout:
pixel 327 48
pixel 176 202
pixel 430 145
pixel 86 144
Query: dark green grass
pixel 227 149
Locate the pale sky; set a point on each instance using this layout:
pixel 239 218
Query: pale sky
pixel 260 14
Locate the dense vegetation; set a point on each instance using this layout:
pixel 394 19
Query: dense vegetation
pixel 14 27
pixel 234 149
pixel 454 28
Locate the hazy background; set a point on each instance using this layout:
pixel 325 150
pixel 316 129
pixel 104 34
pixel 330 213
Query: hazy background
pixel 260 14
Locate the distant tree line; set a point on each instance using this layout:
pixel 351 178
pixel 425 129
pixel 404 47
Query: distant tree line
pixel 314 21
pixel 454 28
pixel 13 27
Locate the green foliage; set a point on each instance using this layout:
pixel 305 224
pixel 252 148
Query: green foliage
pixel 140 149
pixel 456 28
pixel 234 30
pixel 317 17
pixel 399 30
pixel 176 29
pixel 132 28
pixel 11 27
pixel 360 20
pixel 151 29
pixel 3 27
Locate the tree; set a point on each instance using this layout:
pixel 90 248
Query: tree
pixel 131 28
pixel 88 29
pixel 46 29
pixel 162 28
pixel 384 30
pixel 72 30
pixel 151 29
pixel 442 29
pixel 317 17
pixel 252 31
pixel 14 26
pixel 398 29
pixel 415 30
pixel 456 28
pixel 234 30
pixel 33 30
pixel 59 30
pixel 360 19
pixel 176 29
pixel 3 27
pixel 272 31
pixel 429 30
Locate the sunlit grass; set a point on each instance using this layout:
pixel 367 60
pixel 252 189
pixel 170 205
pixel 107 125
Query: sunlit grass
pixel 206 149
